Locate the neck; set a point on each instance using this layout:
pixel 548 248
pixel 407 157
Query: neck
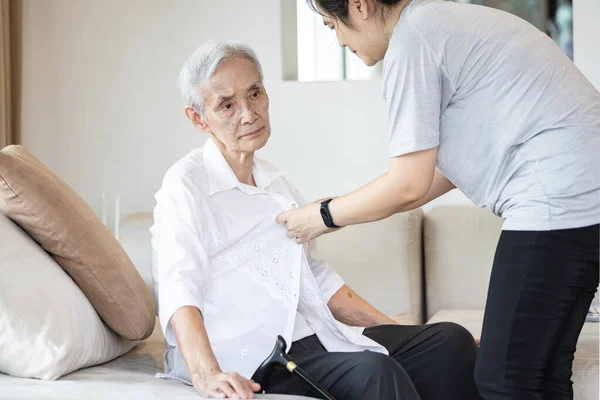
pixel 241 164
pixel 393 18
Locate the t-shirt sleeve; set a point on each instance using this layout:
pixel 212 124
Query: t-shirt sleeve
pixel 413 93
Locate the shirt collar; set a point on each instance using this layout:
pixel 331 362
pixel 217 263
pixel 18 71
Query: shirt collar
pixel 221 177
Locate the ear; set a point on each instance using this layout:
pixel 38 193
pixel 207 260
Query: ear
pixel 362 8
pixel 197 120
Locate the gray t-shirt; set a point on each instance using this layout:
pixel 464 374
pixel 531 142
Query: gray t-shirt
pixel 516 124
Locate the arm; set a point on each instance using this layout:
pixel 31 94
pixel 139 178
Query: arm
pixel 408 181
pixel 193 343
pixel 205 373
pixel 351 309
pixel 180 271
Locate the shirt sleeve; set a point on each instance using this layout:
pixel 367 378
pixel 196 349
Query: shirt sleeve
pixel 327 278
pixel 180 263
pixel 413 93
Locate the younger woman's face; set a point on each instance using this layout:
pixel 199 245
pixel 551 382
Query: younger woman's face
pixel 364 35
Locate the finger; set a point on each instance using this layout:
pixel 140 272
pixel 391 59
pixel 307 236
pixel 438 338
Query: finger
pixel 240 387
pixel 217 394
pixel 281 218
pixel 299 240
pixel 255 386
pixel 226 388
pixel 291 234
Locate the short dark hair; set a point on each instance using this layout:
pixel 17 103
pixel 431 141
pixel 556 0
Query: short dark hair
pixel 338 9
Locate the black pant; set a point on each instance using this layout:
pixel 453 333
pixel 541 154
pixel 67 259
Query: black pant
pixel 541 288
pixel 426 362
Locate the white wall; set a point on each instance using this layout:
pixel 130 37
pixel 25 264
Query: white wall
pixel 101 106
pixel 586 37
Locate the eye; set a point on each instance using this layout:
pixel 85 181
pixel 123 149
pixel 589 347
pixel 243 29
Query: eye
pixel 227 106
pixel 255 94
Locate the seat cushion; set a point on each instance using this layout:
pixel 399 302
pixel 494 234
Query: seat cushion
pixel 67 228
pixel 585 364
pixel 132 376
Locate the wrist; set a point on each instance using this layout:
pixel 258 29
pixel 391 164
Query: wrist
pixel 327 215
pixel 202 372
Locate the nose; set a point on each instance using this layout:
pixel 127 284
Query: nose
pixel 248 115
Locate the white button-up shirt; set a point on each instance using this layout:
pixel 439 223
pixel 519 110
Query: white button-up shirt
pixel 217 247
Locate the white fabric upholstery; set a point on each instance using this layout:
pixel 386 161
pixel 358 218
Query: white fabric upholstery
pixel 380 261
pixel 459 245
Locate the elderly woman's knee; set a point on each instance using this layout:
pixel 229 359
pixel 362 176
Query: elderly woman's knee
pixel 456 336
pixel 375 375
pixel 369 363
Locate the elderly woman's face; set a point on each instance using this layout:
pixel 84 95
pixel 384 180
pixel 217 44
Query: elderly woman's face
pixel 236 107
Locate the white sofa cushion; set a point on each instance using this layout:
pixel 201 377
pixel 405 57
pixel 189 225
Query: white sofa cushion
pixel 585 364
pixel 48 328
pixel 382 261
pixel 459 243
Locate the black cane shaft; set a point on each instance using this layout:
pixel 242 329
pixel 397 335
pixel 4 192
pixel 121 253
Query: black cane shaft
pixel 304 376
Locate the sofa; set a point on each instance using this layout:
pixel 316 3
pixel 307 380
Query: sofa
pixel 416 267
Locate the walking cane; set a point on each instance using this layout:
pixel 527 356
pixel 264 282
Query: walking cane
pixel 279 357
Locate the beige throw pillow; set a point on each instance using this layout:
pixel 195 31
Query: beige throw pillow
pixel 67 228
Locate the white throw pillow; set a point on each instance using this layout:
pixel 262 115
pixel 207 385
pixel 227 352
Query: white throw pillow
pixel 48 328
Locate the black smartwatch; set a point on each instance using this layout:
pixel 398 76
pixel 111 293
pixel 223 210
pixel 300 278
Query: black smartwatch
pixel 326 215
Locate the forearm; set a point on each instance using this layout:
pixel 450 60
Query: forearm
pixel 386 196
pixel 375 201
pixel 193 342
pixel 408 180
pixel 351 309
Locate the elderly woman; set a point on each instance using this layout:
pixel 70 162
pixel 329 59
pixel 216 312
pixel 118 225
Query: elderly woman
pixel 229 280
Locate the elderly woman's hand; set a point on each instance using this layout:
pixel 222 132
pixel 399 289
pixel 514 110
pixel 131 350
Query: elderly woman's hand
pixel 304 223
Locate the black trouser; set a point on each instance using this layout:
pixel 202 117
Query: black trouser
pixel 427 362
pixel 540 291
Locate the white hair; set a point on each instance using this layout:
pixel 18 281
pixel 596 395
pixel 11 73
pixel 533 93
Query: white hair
pixel 202 64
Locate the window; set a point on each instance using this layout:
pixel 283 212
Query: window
pixel 318 56
pixel 554 17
